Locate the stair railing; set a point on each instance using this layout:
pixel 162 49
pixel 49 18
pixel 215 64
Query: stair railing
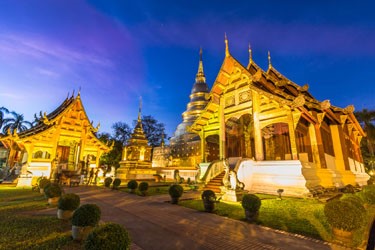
pixel 213 170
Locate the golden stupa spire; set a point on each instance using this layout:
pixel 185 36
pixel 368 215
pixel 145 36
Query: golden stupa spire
pixel 226 46
pixel 250 54
pixel 140 109
pixel 269 60
pixel 200 75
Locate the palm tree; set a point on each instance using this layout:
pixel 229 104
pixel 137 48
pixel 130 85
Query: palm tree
pixel 3 111
pixel 16 122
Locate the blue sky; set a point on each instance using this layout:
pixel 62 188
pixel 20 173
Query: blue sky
pixel 117 51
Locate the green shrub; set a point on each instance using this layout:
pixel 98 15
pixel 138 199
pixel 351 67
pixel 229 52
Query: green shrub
pixel 86 215
pixel 353 199
pixel 176 191
pixel 133 184
pixel 108 181
pixel 116 183
pixel 208 195
pixel 143 186
pixel 368 194
pixel 43 182
pixel 108 236
pixel 251 202
pixel 345 214
pixel 69 202
pixel 52 190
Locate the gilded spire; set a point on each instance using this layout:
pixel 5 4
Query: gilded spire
pixel 226 46
pixel 200 77
pixel 140 109
pixel 269 60
pixel 250 54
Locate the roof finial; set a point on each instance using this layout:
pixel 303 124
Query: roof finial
pixel 140 109
pixel 269 60
pixel 250 54
pixel 79 91
pixel 226 45
pixel 200 75
pixel 73 93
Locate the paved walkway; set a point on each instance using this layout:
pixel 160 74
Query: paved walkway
pixel 153 223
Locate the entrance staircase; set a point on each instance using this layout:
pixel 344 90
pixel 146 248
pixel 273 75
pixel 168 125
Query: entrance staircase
pixel 215 183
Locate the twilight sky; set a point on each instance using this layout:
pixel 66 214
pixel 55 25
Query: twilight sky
pixel 116 52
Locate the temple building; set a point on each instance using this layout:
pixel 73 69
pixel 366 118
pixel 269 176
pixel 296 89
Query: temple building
pixel 135 163
pixel 271 131
pixel 64 139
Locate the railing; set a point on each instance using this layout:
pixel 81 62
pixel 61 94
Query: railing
pixel 214 169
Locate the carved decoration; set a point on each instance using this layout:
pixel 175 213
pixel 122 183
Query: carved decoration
pixel 296 117
pixel 343 119
pixel 304 88
pixel 244 96
pixel 349 109
pixel 258 75
pixel 325 105
pixel 350 128
pixel 299 101
pixel 282 82
pixel 320 117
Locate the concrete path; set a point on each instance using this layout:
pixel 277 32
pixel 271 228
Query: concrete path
pixel 153 223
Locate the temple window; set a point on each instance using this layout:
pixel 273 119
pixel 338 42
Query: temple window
pixel 276 142
pixel 41 155
pixel 303 141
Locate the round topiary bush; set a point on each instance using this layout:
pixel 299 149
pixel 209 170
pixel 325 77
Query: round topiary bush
pixel 69 202
pixel 43 182
pixel 143 187
pixel 345 214
pixel 368 194
pixel 208 195
pixel 116 183
pixel 133 184
pixel 52 190
pixel 108 236
pixel 108 181
pixel 86 215
pixel 251 202
pixel 176 190
pixel 353 199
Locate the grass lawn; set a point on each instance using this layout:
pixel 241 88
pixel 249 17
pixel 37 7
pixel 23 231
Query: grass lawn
pixel 26 222
pixel 300 216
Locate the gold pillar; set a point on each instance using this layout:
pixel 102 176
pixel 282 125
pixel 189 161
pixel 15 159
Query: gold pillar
pixel 338 147
pixel 259 154
pixel 222 128
pixel 317 147
pixel 292 137
pixel 203 145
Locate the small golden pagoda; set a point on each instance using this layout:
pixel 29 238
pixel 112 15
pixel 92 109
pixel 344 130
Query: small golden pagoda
pixel 64 138
pixel 136 156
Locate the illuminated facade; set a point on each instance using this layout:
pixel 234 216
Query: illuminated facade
pixel 63 138
pixel 136 156
pixel 276 133
pixel 273 132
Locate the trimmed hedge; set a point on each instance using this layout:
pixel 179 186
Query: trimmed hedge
pixel 143 186
pixel 69 202
pixel 208 195
pixel 108 181
pixel 116 183
pixel 108 236
pixel 175 190
pixel 86 215
pixel 345 214
pixel 132 184
pixel 251 202
pixel 43 182
pixel 52 190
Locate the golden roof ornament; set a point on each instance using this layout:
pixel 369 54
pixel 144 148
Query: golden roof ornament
pixel 304 88
pixel 349 109
pixel 299 101
pixel 226 46
pixel 200 77
pixel 326 104
pixel 250 54
pixel 269 60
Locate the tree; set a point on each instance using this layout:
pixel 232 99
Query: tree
pixel 121 132
pixel 16 123
pixel 153 130
pixel 3 111
pixel 367 119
